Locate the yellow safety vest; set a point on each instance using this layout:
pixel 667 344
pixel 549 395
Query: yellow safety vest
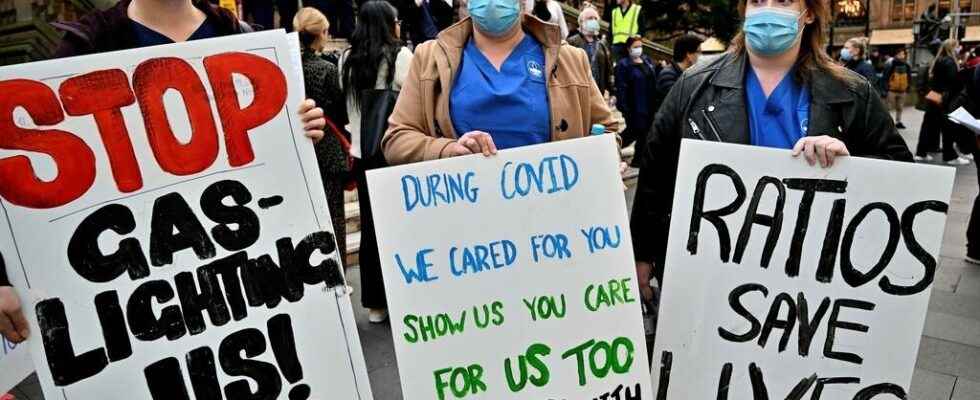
pixel 624 26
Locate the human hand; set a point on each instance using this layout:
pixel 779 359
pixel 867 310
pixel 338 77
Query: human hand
pixel 313 121
pixel 821 149
pixel 13 325
pixel 472 142
pixel 644 272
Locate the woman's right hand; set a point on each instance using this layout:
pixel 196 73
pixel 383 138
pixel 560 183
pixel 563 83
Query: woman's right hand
pixel 472 142
pixel 13 325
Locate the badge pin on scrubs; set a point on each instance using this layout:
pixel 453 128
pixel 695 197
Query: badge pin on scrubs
pixel 534 69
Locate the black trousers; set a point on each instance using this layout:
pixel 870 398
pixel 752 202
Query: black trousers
pixel 935 124
pixel 932 122
pixel 973 228
pixel 372 282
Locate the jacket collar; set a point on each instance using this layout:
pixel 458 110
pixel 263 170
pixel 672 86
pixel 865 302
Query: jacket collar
pixel 824 88
pixel 457 35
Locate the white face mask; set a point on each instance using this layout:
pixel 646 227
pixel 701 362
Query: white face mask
pixel 636 52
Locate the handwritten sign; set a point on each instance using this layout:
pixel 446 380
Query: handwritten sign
pixel 790 281
pixel 511 277
pixel 15 362
pixel 165 224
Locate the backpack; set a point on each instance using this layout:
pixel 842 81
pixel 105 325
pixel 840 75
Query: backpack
pixel 898 82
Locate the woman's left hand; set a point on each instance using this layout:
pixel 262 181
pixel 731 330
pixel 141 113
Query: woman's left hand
pixel 313 121
pixel 822 149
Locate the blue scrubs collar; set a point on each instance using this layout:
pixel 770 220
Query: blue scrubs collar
pixel 783 118
pixel 510 104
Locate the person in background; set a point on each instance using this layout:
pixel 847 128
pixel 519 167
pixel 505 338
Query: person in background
pixel 636 92
pixel 973 58
pixel 600 56
pixel 944 84
pixel 322 83
pixel 377 59
pixel 464 12
pixel 132 24
pixel 260 12
pixel 549 11
pixel 971 102
pixel 687 49
pixel 773 88
pixel 854 55
pixel 339 13
pixel 287 11
pixel 626 21
pixel 497 69
pixel 897 77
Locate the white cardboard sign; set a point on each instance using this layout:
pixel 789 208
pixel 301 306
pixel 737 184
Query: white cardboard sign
pixel 819 293
pixel 15 362
pixel 511 277
pixel 164 223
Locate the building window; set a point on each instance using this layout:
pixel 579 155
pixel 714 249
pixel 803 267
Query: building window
pixel 903 10
pixel 966 6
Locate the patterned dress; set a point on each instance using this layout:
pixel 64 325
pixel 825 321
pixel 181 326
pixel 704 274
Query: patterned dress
pixel 322 86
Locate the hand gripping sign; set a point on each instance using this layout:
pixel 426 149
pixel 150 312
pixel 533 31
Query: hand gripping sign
pixel 784 280
pixel 165 225
pixel 511 277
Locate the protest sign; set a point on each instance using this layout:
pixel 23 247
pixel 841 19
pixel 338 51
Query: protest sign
pixel 785 280
pixel 165 226
pixel 511 277
pixel 15 362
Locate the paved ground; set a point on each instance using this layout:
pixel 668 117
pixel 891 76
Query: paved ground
pixel 949 357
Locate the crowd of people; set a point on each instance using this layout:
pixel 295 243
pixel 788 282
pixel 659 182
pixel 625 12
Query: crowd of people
pixel 415 85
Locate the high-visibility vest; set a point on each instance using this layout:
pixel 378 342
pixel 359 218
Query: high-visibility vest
pixel 624 26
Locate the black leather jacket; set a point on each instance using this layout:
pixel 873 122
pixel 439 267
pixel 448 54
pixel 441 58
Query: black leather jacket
pixel 708 103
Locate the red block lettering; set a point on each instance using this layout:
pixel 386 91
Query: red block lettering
pixel 151 80
pixel 102 94
pixel 269 85
pixel 73 158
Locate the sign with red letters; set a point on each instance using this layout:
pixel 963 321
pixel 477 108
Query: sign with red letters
pixel 164 223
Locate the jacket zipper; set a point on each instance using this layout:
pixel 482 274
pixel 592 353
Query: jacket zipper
pixel 711 124
pixel 695 128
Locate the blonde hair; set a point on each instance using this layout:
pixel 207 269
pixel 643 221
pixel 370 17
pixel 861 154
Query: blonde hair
pixel 813 57
pixel 587 7
pixel 948 49
pixel 311 25
pixel 861 43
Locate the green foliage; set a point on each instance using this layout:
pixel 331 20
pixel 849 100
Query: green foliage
pixel 668 19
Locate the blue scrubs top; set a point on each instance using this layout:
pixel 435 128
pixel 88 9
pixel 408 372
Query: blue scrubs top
pixel 781 120
pixel 511 104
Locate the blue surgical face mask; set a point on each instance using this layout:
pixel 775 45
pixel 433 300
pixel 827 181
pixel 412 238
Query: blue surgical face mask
pixel 591 26
pixel 771 31
pixel 845 54
pixel 494 17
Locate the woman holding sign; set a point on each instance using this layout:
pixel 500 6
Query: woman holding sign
pixel 132 24
pixel 496 80
pixel 776 87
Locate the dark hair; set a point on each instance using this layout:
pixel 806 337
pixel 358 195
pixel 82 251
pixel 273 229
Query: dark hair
pixel 633 39
pixel 685 45
pixel 374 42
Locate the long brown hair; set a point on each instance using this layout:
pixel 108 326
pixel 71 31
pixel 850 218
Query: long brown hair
pixel 813 59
